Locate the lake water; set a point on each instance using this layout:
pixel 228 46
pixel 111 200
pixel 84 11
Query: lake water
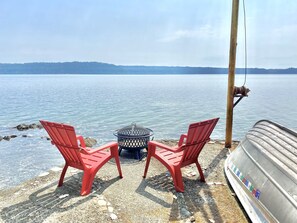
pixel 98 105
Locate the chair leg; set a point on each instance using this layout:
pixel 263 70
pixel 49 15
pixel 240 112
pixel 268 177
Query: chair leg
pixel 178 180
pixel 87 183
pixel 150 152
pixel 115 154
pixel 147 165
pixel 62 175
pixel 118 165
pixel 202 179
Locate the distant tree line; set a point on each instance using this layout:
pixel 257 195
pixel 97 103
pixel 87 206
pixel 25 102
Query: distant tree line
pixel 105 68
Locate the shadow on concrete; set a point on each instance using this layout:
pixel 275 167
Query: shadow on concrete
pixel 51 199
pixel 142 191
pixel 196 198
pixel 215 162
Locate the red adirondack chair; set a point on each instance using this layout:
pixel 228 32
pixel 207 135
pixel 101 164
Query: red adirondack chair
pixel 79 156
pixel 184 154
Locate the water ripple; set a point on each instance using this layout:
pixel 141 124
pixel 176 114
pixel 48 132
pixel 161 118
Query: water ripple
pixel 98 105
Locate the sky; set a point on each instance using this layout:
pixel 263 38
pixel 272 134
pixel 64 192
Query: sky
pixel 147 32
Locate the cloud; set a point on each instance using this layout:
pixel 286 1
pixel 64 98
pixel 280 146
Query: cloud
pixel 203 32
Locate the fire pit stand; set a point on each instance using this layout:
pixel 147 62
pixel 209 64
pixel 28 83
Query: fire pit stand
pixel 133 138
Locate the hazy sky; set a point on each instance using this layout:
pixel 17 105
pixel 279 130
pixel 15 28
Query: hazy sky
pixel 147 32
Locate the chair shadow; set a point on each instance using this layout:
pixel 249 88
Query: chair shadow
pixel 154 183
pixel 46 201
pixel 189 202
pixel 215 162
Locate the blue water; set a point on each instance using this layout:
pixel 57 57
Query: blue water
pixel 98 105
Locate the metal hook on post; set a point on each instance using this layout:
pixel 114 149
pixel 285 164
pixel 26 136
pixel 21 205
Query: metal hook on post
pixel 240 92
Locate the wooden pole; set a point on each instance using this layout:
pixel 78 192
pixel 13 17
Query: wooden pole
pixel 231 73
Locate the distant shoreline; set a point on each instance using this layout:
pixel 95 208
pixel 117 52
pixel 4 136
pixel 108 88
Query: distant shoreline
pixel 98 68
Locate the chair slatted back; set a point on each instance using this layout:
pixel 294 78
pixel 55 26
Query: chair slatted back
pixel 198 135
pixel 64 137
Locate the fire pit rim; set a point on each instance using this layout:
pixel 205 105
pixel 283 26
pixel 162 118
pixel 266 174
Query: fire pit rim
pixel 149 134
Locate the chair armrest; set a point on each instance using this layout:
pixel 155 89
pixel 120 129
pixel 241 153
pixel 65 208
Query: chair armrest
pixel 111 145
pixel 81 141
pixel 182 139
pixel 163 146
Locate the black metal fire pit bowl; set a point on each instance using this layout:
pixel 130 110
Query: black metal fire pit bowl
pixel 133 138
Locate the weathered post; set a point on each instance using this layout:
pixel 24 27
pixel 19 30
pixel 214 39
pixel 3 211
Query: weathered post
pixel 231 73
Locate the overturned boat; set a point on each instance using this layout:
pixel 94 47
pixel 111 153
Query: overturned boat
pixel 263 173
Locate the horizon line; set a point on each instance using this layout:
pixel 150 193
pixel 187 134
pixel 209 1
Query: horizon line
pixel 176 66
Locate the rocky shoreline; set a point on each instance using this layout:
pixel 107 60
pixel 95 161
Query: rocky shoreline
pixel 90 142
pixel 22 127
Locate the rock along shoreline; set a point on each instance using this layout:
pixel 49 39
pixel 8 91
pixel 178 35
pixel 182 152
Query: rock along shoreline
pixel 90 142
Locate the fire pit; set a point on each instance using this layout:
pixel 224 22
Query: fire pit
pixel 133 138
